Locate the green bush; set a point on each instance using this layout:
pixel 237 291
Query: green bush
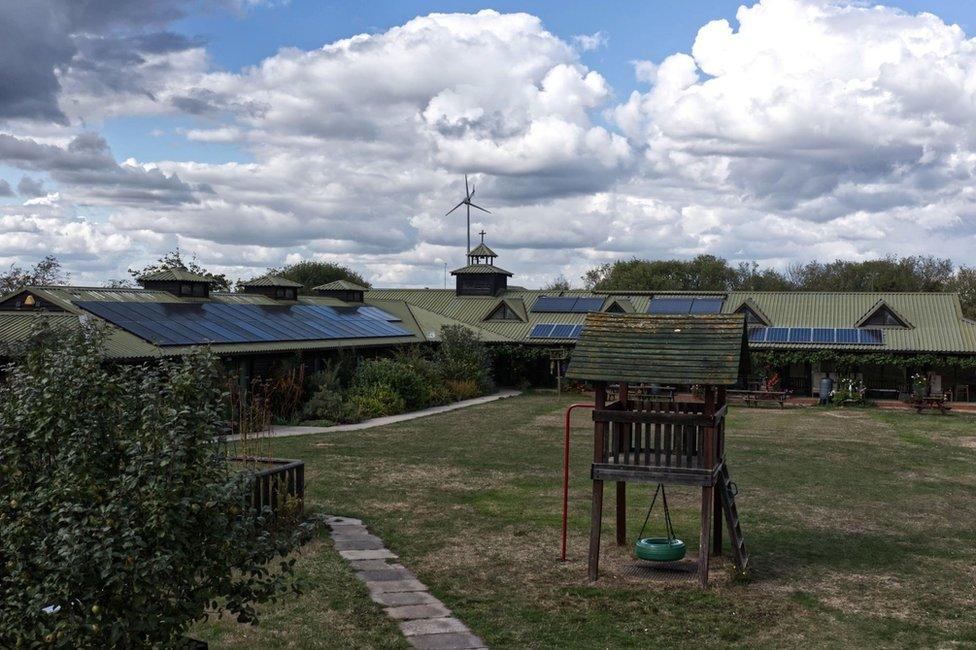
pixel 376 401
pixel 396 374
pixel 117 506
pixel 328 401
pixel 462 356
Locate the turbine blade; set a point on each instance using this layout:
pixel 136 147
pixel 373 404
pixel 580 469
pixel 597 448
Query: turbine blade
pixel 466 192
pixel 455 208
pixel 479 207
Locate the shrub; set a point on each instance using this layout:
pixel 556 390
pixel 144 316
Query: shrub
pixel 462 356
pixel 328 401
pixel 117 506
pixel 397 375
pixel 376 401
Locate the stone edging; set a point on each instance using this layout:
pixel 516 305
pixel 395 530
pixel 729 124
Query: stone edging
pixel 424 620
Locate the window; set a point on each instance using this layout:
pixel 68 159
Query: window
pixel 882 317
pixel 503 312
pixel 279 292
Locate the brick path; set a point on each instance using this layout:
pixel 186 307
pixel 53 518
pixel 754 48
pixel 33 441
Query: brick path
pixel 424 620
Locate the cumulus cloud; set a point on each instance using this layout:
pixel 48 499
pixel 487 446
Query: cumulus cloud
pixel 803 129
pixel 819 114
pixel 590 42
pixel 5 189
pixel 30 187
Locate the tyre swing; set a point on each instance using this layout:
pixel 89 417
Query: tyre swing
pixel 659 549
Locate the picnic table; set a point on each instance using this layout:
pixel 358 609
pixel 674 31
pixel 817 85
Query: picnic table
pixel 931 402
pixel 754 397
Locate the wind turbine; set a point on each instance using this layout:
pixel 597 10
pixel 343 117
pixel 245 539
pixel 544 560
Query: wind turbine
pixel 467 202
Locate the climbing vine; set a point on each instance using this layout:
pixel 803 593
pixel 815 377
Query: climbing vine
pixel 844 361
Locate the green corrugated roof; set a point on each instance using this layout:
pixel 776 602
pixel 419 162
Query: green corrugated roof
pixel 175 275
pixel 482 251
pixel 641 348
pixel 480 269
pixel 272 281
pixel 937 322
pixel 339 285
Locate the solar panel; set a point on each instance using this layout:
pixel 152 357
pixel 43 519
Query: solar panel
pixel 823 335
pixel 375 312
pixel 670 305
pixel 554 304
pixel 800 334
pixel 757 334
pixel 872 336
pixel 562 331
pixel 846 335
pixel 566 304
pixel 588 304
pixel 777 334
pixel 541 331
pixel 707 305
pixel 200 323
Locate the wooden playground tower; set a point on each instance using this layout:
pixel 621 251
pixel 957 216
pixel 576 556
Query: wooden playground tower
pixel 640 439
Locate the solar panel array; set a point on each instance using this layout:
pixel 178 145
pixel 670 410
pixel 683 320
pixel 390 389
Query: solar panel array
pixel 555 331
pixel 566 304
pixel 209 322
pixel 836 335
pixel 685 305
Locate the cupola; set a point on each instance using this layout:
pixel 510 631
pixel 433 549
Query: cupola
pixel 481 277
pixel 273 286
pixel 341 289
pixel 178 282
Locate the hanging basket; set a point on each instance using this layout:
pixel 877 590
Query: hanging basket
pixel 660 549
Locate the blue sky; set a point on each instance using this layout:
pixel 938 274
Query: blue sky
pixel 812 129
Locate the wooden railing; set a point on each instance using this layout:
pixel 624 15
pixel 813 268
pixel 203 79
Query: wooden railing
pixel 650 440
pixel 279 486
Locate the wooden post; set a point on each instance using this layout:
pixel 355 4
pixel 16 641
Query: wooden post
pixel 624 446
pixel 719 453
pixel 596 518
pixel 707 498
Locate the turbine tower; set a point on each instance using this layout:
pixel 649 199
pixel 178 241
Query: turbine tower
pixel 468 204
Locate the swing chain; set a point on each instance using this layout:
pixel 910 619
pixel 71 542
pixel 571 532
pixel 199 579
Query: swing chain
pixel 667 513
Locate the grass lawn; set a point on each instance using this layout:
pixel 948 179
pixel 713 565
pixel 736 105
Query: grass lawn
pixel 861 525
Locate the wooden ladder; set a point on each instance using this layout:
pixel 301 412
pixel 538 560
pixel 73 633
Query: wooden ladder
pixel 727 492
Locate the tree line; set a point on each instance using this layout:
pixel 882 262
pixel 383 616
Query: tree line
pixel 702 273
pixel 710 273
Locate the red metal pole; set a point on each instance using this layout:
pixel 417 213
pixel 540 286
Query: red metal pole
pixel 569 412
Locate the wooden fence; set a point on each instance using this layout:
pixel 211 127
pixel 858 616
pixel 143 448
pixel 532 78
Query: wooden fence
pixel 281 484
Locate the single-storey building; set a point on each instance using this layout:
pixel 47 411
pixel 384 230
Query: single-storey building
pixel 884 338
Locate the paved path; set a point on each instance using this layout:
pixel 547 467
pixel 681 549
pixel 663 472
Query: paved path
pixel 283 432
pixel 424 620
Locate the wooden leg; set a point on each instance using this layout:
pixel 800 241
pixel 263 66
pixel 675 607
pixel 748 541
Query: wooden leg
pixel 704 538
pixel 596 522
pixel 717 523
pixel 621 513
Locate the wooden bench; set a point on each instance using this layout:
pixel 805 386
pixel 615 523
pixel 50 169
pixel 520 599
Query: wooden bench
pixel 754 397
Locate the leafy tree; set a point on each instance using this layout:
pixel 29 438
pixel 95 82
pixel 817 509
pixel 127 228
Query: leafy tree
pixel 559 283
pixel 46 272
pixel 312 273
pixel 119 512
pixel 174 260
pixel 964 283
pixel 919 273
pixel 703 273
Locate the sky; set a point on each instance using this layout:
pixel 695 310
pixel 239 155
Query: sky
pixel 257 133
